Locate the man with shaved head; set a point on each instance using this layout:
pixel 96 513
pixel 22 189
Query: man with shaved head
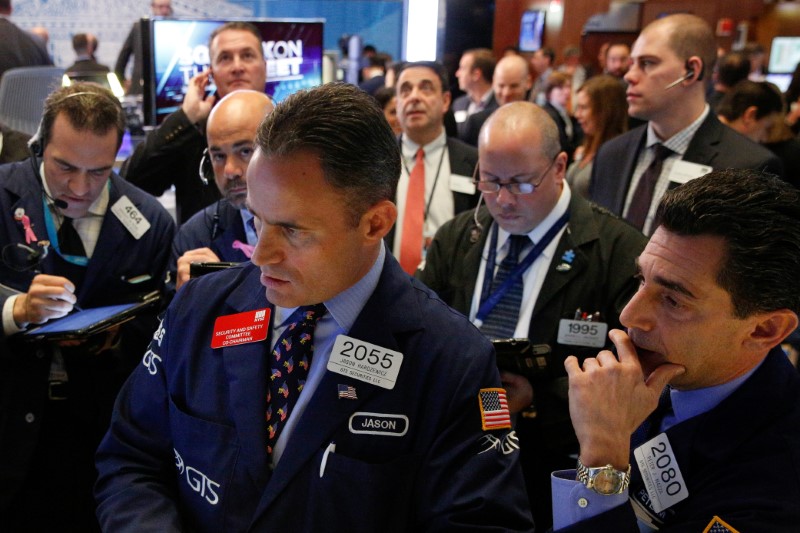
pixel 222 232
pixel 569 262
pixel 510 83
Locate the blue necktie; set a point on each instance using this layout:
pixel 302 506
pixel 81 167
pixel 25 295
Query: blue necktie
pixel 502 320
pixel 650 427
pixel 289 363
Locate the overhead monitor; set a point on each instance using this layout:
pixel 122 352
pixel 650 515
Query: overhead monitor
pixel 531 31
pixel 784 55
pixel 174 50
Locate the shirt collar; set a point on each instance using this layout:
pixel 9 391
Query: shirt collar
pixel 537 233
pixel 345 306
pixel 679 142
pixel 410 147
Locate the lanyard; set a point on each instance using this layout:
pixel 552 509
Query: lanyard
pixel 490 299
pixel 53 235
pixel 435 179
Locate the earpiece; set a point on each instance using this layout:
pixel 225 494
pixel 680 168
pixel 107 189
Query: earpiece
pixel 689 75
pixel 206 171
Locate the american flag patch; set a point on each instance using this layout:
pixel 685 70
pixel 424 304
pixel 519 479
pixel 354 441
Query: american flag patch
pixel 347 391
pixel 718 525
pixel 494 409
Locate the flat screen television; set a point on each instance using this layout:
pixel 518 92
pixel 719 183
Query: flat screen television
pixel 531 31
pixel 174 50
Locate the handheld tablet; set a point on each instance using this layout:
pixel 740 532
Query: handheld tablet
pixel 521 357
pixel 87 322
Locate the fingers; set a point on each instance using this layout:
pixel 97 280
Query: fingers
pixel 198 255
pixel 519 391
pixel 625 348
pixel 48 297
pixel 663 374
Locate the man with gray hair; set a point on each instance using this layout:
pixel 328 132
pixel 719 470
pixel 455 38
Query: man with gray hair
pixel 371 406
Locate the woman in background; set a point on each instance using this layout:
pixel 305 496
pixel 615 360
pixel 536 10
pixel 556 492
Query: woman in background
pixel 388 101
pixel 602 112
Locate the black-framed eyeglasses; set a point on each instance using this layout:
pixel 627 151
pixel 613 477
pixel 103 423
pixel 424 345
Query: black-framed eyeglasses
pixel 526 187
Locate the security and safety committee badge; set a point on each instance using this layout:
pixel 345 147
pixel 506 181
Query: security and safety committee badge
pixel 494 409
pixel 718 525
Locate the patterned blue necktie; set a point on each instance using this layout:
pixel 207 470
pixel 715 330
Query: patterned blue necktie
pixel 502 320
pixel 290 361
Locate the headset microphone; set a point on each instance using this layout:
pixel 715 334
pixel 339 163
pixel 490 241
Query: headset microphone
pixel 36 150
pixel 683 78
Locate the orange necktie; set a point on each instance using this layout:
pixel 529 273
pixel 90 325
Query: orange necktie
pixel 414 217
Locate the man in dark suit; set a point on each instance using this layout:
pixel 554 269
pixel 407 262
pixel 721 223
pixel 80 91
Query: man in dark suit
pixel 511 83
pixel 221 231
pixel 474 75
pixel 672 61
pixel 85 45
pixel 360 412
pixel 585 270
pixel 132 48
pixel 17 47
pixel 442 166
pixel 717 448
pixel 171 154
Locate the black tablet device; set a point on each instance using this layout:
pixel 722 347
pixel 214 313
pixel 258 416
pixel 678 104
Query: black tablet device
pixel 87 322
pixel 521 357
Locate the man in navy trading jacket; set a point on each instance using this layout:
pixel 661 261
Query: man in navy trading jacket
pixel 72 234
pixel 718 448
pixel 223 231
pixel 345 397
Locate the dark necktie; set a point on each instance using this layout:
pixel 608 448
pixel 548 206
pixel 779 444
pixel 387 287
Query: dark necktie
pixel 502 319
pixel 290 361
pixel 69 242
pixel 650 427
pixel 643 196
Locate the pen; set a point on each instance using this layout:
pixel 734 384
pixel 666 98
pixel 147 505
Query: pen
pixel 330 449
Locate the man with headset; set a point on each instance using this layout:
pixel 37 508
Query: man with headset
pixel 222 231
pixel 673 58
pixel 73 235
pixel 578 271
pixel 171 154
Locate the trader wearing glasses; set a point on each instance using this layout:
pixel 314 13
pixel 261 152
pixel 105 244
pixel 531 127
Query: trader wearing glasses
pixel 222 231
pixel 536 263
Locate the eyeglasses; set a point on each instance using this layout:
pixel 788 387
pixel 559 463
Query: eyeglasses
pixel 527 187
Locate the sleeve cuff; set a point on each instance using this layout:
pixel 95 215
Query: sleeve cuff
pixel 573 502
pixel 9 326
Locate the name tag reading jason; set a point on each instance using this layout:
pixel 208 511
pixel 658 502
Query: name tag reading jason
pixel 660 473
pixel 365 362
pixel 131 218
pixel 240 328
pixel 582 333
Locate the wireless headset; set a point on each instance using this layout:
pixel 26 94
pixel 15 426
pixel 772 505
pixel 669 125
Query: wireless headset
pixel 206 171
pixel 689 75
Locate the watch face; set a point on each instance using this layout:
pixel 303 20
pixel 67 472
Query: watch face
pixel 608 481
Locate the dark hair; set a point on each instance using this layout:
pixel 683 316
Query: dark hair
pixel 766 97
pixel 87 106
pixel 347 130
pixel 758 216
pixel 239 25
pixel 556 80
pixel 80 43
pixel 732 68
pixel 549 53
pixel 483 60
pixel 609 109
pixel 384 95
pixel 435 66
pixel 615 44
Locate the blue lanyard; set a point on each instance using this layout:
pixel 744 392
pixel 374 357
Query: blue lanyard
pixel 53 235
pixel 488 301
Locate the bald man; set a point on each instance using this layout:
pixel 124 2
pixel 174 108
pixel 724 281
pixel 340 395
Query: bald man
pixel 510 83
pixel 222 231
pixel 584 270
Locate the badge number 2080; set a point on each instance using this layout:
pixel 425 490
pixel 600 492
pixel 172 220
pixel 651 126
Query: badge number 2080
pixel 365 361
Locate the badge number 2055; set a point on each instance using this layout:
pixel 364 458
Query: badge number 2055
pixel 373 356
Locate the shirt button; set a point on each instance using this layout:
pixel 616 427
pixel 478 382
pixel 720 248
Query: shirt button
pixel 582 503
pixel 29 418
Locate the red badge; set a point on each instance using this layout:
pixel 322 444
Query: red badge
pixel 241 328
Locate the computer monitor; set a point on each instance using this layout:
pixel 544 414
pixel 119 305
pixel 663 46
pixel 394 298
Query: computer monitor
pixel 531 30
pixel 174 50
pixel 784 55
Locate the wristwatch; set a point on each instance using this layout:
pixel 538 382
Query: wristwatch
pixel 605 480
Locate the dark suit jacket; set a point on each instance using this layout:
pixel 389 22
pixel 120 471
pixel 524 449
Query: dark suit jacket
pixel 207 407
pixel 471 128
pixel 600 279
pixel 86 66
pixel 461 104
pixel 170 155
pixel 463 159
pixel 714 144
pixel 15 145
pixel 18 49
pixel 755 430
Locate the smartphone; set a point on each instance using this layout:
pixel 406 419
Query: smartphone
pixel 198 269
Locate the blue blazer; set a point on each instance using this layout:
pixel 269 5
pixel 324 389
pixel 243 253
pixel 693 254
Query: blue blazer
pixel 193 406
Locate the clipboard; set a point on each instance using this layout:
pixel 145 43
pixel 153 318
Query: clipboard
pixel 87 322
